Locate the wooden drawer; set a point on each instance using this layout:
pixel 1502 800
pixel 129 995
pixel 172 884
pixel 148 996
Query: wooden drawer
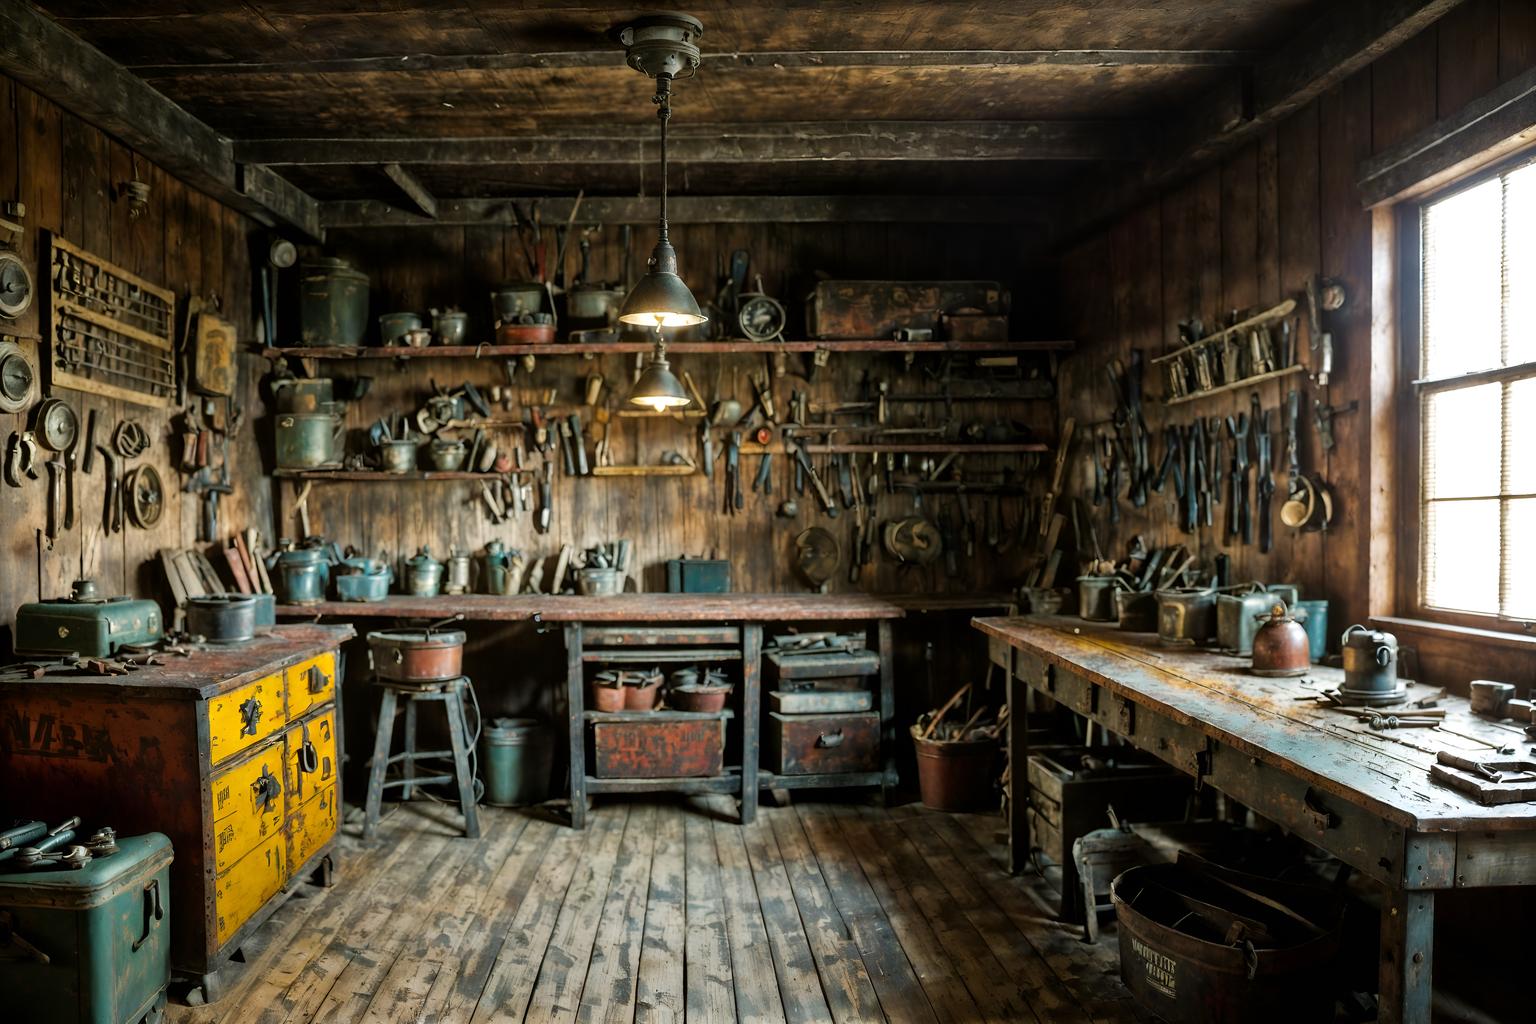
pixel 658 748
pixel 311 827
pixel 310 683
pixel 304 774
pixel 242 890
pixel 823 744
pixel 242 718
pixel 249 804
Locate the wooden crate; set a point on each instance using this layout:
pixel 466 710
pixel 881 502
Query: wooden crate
pixel 657 744
pixel 1067 800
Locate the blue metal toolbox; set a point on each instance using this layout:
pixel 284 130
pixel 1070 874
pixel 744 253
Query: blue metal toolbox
pixel 89 946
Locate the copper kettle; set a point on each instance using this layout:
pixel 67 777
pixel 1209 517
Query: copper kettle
pixel 1280 646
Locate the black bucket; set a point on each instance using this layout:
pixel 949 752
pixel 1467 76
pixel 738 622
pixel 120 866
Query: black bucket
pixel 1207 945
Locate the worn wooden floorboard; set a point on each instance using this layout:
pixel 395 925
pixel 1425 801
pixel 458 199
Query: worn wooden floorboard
pixel 664 911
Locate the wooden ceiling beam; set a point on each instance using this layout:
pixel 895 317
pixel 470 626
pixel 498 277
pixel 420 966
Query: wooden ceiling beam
pixel 959 141
pixel 703 210
pixel 414 190
pixel 719 62
pixel 61 66
pixel 1343 41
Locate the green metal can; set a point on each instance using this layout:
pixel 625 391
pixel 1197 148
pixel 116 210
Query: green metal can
pixel 333 303
pixel 90 946
pixel 517 755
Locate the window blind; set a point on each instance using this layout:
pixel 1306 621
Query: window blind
pixel 1477 395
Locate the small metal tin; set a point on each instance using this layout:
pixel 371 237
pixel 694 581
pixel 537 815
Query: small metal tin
pixel 1186 616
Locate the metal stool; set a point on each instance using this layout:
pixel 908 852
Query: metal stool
pixel 448 692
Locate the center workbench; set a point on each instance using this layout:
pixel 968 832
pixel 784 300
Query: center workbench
pixel 1362 795
pixel 660 628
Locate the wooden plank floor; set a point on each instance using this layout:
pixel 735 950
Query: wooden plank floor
pixel 665 910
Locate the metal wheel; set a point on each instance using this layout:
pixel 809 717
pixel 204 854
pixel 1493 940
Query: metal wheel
pixel 57 425
pixel 146 497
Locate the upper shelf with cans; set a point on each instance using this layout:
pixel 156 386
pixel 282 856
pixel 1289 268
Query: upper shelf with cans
pixel 843 316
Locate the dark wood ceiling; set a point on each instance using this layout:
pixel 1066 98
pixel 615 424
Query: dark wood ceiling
pixel 271 74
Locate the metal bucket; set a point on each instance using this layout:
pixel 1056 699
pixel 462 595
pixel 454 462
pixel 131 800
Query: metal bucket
pixel 1182 977
pixel 1186 616
pixel 956 775
pixel 1096 597
pixel 1314 619
pixel 516 757
pixel 333 303
pixel 1136 610
pixel 308 440
pixel 300 582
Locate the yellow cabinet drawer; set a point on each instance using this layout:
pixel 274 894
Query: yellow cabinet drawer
pixel 311 682
pixel 311 762
pixel 249 804
pixel 245 888
pixel 242 718
pixel 311 827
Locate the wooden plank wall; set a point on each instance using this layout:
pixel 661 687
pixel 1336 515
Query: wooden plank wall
pixel 66 172
pixel 421 268
pixel 1249 232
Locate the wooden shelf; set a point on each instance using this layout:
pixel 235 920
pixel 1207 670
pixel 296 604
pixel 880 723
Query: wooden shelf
pixel 647 655
pixel 658 715
pixel 1279 312
pixel 659 470
pixel 925 449
pixel 1236 385
pixel 378 475
pixel 371 352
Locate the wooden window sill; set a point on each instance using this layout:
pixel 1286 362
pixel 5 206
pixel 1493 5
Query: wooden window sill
pixel 1525 641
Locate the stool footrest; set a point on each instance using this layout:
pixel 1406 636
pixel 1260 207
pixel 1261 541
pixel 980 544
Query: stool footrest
pixel 420 780
pixel 419 755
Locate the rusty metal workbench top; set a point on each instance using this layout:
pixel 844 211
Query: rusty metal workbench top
pixel 1387 772
pixel 210 669
pixel 658 608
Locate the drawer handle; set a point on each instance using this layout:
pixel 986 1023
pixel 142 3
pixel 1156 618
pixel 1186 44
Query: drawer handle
pixel 250 714
pixel 154 911
pixel 828 740
pixel 1320 815
pixel 267 788
pixel 318 680
pixel 309 758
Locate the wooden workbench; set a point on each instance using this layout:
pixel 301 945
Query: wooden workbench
pixel 730 623
pixel 1363 796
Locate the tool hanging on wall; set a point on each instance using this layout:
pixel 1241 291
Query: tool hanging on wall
pixel 1265 489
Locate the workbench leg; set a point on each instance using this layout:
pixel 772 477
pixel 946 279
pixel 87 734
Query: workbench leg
pixel 459 739
pixel 408 791
pixel 1018 772
pixel 887 649
pixel 1407 956
pixel 380 763
pixel 575 695
pixel 751 715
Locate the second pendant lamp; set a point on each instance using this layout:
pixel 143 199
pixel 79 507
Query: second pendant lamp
pixel 662 47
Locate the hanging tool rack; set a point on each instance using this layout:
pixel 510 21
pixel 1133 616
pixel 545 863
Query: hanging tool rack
pixel 1238 356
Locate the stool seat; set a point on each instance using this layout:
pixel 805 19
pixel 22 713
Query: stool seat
pixel 450 694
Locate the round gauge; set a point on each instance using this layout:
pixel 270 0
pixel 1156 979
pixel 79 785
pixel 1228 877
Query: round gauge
pixel 57 425
pixel 761 317
pixel 282 254
pixel 16 378
pixel 15 285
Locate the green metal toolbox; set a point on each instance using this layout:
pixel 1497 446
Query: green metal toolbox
pixel 90 946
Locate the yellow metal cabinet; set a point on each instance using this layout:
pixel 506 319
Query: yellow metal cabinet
pixel 312 826
pixel 310 764
pixel 246 887
pixel 242 718
pixel 311 682
pixel 196 748
pixel 250 802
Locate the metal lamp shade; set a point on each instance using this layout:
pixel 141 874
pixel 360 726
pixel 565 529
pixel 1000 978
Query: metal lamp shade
pixel 660 298
pixel 658 388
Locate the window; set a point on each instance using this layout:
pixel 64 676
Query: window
pixel 1476 397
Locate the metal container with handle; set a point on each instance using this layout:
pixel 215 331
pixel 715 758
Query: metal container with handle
pixel 308 440
pixel 417 655
pixel 1370 667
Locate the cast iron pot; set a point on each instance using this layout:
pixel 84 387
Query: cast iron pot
pixel 222 618
pixel 417 656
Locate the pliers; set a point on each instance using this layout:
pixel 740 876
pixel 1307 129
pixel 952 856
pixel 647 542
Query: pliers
pixel 20 457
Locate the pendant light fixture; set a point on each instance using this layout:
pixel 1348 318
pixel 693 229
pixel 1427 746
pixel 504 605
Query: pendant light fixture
pixel 663 47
